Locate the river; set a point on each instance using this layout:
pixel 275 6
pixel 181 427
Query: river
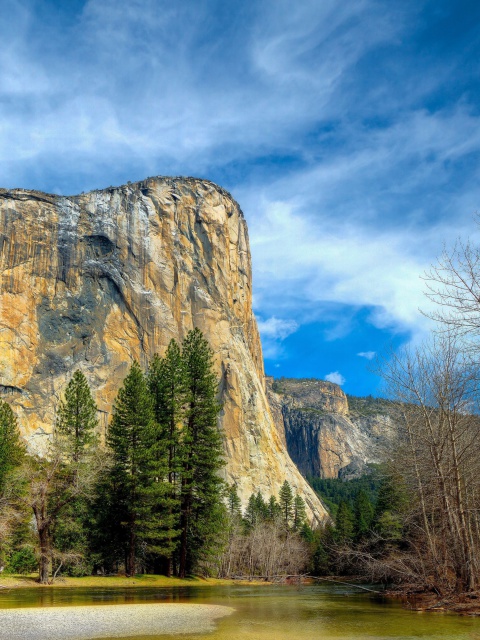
pixel 323 612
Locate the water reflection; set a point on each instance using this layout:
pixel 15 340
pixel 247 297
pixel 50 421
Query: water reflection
pixel 324 612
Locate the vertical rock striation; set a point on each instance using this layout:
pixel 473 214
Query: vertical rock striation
pixel 324 436
pixel 95 280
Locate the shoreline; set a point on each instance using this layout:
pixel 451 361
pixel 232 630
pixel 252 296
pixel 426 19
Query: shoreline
pixel 463 604
pixel 142 580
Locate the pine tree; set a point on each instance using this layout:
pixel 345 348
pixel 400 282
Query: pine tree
pixel 166 383
pixel 343 523
pixel 77 419
pixel 299 513
pixel 261 506
pixel 274 510
pixel 12 452
pixel 11 447
pixel 234 504
pixel 364 511
pixel 286 503
pixel 76 442
pixel 129 437
pixel 201 450
pixel 251 513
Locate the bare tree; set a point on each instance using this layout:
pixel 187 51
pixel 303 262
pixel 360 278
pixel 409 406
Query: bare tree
pixel 53 483
pixel 436 454
pixel 453 284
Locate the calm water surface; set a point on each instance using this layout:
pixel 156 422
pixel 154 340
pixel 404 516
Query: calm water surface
pixel 275 613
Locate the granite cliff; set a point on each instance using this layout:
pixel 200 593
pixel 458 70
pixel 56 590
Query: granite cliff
pixel 95 280
pixel 327 433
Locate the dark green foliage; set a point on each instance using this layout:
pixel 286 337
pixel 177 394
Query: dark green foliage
pixel 344 523
pixel 129 439
pixel 390 508
pixel 333 490
pixel 285 500
pixel 23 561
pixel 363 511
pixel 77 419
pixel 201 452
pixel 167 387
pixel 274 509
pixel 76 440
pixel 299 513
pixel 259 511
pixel 251 515
pixel 234 504
pixel 11 447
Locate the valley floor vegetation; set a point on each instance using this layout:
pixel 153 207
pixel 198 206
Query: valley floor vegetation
pixel 150 498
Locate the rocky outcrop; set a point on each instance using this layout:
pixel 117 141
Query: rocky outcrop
pixel 95 280
pixel 324 436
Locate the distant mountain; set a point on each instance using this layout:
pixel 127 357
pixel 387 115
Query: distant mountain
pixel 327 433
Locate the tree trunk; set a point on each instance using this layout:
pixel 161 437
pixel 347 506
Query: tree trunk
pixel 44 563
pixel 131 559
pixel 184 523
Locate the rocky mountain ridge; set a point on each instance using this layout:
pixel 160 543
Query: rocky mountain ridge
pixel 327 433
pixel 96 280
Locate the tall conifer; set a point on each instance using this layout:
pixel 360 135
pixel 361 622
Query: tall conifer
pixel 201 450
pixel 11 447
pixel 286 503
pixel 166 382
pixel 129 437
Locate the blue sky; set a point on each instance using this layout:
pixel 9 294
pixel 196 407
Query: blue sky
pixel 348 131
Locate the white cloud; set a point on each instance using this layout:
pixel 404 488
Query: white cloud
pixel 369 355
pixel 335 377
pixel 276 328
pixel 273 331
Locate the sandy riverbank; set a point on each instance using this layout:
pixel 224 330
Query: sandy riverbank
pixel 109 621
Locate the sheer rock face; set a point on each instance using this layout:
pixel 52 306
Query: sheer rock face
pixel 323 436
pixel 95 280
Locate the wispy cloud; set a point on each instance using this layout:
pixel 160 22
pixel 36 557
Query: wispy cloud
pixel 368 355
pixel 335 377
pixel 273 331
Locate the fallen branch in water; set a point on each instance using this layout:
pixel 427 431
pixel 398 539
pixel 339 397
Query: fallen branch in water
pixel 349 584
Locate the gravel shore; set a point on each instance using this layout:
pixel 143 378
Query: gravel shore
pixel 108 621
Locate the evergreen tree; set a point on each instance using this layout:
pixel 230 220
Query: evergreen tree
pixel 129 438
pixel 233 503
pixel 76 440
pixel 299 513
pixel 166 382
pixel 363 510
pixel 201 450
pixel 344 523
pixel 286 503
pixel 261 506
pixel 389 508
pixel 11 447
pixel 274 510
pixel 12 453
pixel 251 513
pixel 77 419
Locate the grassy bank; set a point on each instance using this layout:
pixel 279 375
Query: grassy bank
pixel 22 581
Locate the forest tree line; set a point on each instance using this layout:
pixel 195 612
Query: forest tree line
pixel 148 499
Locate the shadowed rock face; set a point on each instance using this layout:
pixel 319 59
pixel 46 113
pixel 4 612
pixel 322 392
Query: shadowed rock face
pixel 324 436
pixel 96 280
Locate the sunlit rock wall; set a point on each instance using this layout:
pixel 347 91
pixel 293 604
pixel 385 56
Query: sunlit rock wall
pixel 95 280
